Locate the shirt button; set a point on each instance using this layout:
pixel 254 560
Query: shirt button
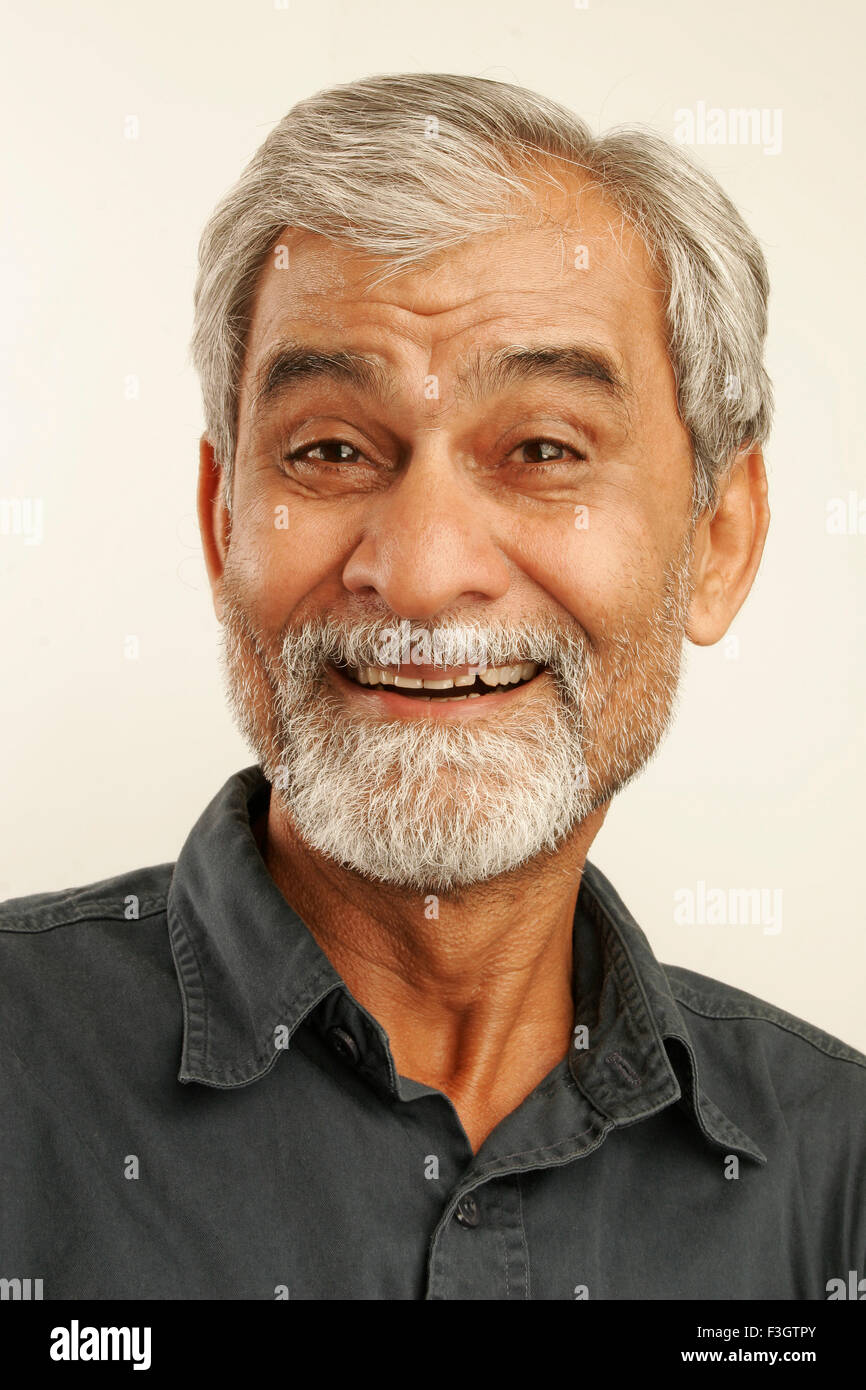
pixel 466 1211
pixel 343 1043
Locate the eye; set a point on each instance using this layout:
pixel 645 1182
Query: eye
pixel 544 453
pixel 327 451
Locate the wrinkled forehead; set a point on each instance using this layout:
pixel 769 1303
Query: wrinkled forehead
pixel 569 267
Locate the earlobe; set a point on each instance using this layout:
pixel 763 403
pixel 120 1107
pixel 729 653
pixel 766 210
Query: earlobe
pixel 728 547
pixel 213 519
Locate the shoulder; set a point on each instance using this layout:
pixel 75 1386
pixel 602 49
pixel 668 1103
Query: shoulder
pixel 716 1002
pixel 737 1033
pixel 89 1009
pixel 84 963
pixel 756 1056
pixel 122 898
pixel 84 937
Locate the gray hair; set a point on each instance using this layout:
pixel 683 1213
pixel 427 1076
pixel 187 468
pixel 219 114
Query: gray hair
pixel 404 166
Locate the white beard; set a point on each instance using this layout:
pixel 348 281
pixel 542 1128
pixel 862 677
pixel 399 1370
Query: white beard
pixel 435 805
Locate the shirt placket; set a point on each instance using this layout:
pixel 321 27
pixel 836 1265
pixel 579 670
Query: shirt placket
pixel 479 1250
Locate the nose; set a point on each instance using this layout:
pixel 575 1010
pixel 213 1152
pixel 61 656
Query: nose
pixel 429 543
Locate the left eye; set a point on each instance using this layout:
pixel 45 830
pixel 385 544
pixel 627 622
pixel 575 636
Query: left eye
pixel 546 451
pixel 339 449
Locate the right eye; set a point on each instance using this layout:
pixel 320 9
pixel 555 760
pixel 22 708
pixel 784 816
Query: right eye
pixel 319 451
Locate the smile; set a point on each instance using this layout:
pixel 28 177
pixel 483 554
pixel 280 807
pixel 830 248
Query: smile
pixel 427 688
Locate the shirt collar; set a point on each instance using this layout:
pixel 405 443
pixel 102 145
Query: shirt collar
pixel 250 971
pixel 641 1055
pixel 246 963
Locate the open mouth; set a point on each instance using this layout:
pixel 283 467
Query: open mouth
pixel 469 684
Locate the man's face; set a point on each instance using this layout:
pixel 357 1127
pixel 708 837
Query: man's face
pixel 545 509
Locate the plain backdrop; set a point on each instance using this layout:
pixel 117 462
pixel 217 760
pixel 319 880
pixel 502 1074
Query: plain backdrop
pixel 123 126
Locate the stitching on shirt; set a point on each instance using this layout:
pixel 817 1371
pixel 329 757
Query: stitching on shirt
pixel 526 1292
pixel 507 1272
pixel 548 1148
pixel 303 1005
pixel 30 926
pixel 733 1134
pixel 626 1071
pixel 776 1023
pixel 628 979
pixel 267 1059
pixel 606 918
pixel 498 1201
pixel 700 1103
pixel 193 992
pixel 564 1081
pixel 89 902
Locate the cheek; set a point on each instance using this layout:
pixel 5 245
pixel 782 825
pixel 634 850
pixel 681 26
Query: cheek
pixel 601 560
pixel 280 555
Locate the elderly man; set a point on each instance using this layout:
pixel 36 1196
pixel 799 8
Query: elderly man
pixel 485 405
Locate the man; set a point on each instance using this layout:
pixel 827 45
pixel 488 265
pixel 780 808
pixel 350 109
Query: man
pixel 485 406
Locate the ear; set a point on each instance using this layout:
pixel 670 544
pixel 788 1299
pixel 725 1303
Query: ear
pixel 214 520
pixel 727 550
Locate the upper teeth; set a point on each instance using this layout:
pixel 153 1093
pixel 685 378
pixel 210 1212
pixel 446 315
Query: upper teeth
pixel 494 675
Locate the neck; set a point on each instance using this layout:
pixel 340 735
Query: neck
pixel 474 989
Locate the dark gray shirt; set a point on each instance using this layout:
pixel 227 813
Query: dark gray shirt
pixel 193 1105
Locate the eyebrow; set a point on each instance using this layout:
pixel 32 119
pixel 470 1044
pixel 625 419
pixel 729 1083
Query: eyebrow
pixel 482 374
pixel 487 373
pixel 292 364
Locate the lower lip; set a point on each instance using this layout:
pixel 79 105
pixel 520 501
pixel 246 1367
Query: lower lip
pixel 415 707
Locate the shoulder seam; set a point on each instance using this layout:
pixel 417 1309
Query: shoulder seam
pixel 101 901
pixel 23 926
pixel 777 1023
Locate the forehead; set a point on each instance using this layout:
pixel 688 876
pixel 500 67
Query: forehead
pixel 572 271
